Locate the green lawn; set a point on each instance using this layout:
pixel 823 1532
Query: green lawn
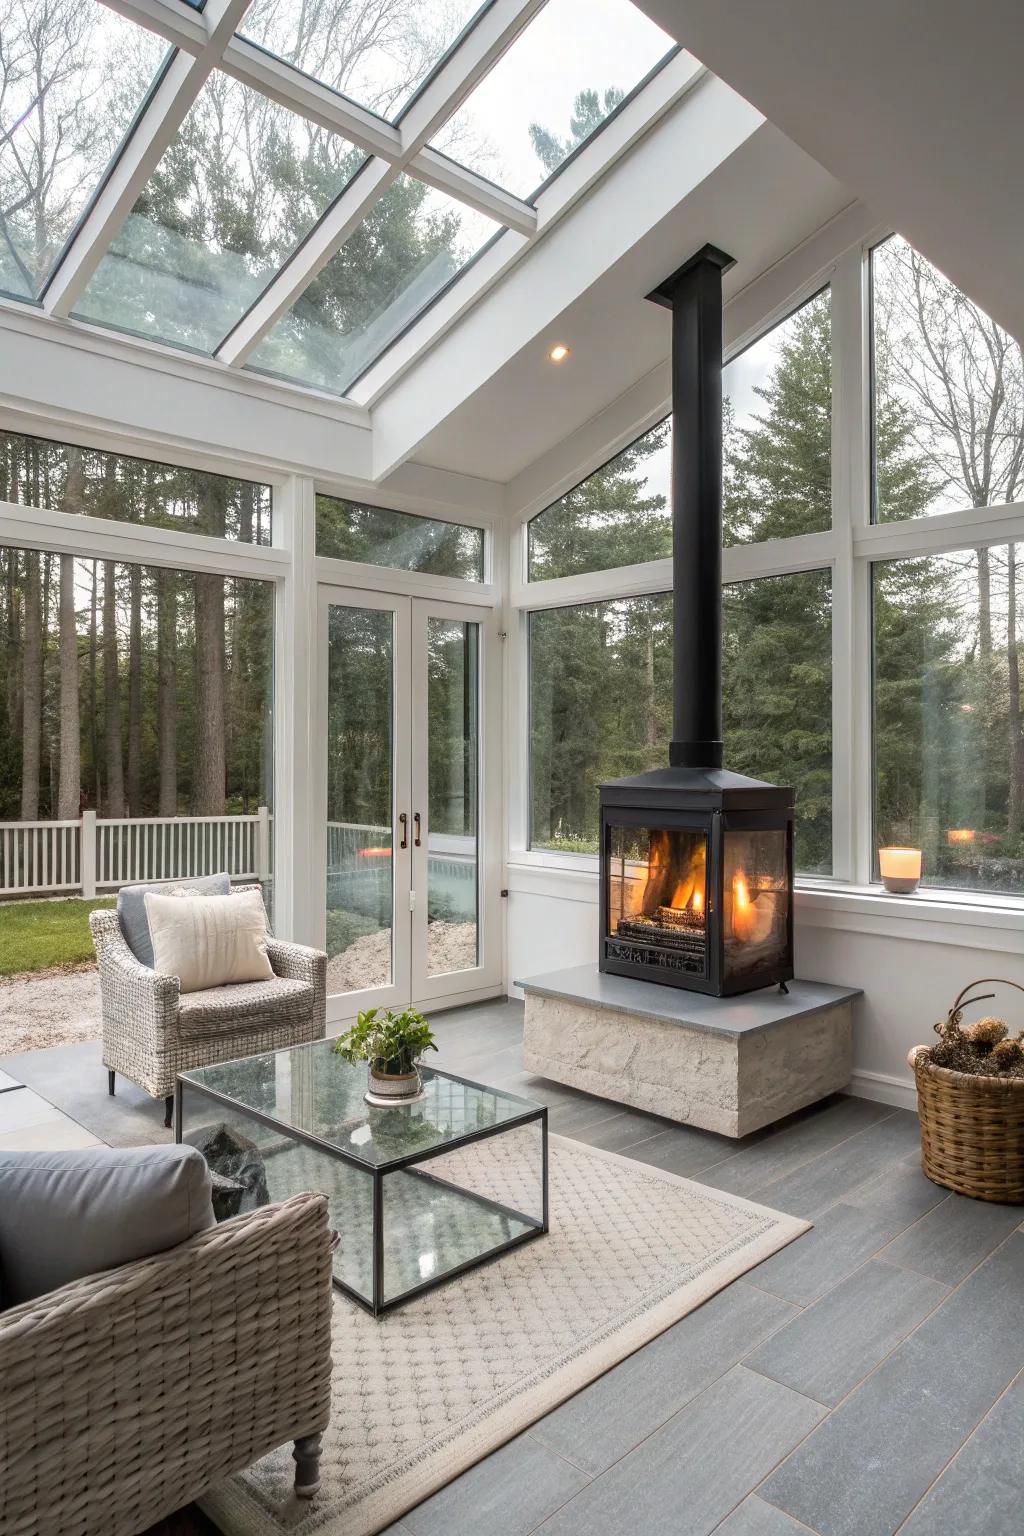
pixel 35 935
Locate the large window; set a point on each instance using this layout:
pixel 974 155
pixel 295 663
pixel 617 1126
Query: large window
pixel 949 734
pixel 777 462
pixel 617 516
pixel 601 703
pixel 777 430
pixel 132 690
pixel 35 472
pixel 351 530
pixel 948 393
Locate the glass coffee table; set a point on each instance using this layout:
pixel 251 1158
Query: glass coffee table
pixel 418 1193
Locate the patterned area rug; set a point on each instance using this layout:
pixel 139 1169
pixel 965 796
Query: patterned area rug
pixel 432 1387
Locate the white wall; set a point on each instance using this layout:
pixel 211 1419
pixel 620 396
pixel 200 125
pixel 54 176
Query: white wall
pixel 911 956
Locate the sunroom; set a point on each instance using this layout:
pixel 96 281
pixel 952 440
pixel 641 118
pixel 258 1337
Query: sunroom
pixel 511 739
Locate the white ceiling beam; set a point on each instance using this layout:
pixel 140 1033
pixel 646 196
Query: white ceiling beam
pixel 446 89
pixel 300 93
pixel 160 120
pixel 681 152
pixel 676 79
pixel 440 172
pixel 471 58
pixel 309 258
pixel 180 24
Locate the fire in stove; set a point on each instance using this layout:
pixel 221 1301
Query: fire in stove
pixel 700 906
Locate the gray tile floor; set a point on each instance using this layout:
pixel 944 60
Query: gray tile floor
pixel 868 1379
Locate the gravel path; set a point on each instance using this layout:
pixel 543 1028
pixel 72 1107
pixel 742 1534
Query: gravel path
pixel 56 1008
pixel 367 961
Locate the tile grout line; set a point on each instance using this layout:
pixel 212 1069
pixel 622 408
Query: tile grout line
pixel 759 1194
pixel 875 1369
pixel 962 1447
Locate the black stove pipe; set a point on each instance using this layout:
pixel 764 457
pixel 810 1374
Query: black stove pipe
pixel 694 295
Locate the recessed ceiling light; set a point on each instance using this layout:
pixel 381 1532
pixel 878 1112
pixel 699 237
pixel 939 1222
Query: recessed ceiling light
pixel 560 352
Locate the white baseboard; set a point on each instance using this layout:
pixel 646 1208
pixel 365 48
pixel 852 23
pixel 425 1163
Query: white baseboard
pixel 885 1089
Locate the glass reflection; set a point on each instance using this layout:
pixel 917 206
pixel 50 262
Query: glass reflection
pixel 411 243
pixel 240 185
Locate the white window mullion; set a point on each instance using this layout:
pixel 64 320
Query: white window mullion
pixel 182 80
pixel 851 512
pixel 298 731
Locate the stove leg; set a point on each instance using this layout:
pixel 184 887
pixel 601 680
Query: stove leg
pixel 783 988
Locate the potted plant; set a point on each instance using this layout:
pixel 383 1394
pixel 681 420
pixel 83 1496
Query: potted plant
pixel 970 1098
pixel 391 1044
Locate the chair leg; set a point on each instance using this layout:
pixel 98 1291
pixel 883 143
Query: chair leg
pixel 110 1082
pixel 306 1456
pixel 168 1110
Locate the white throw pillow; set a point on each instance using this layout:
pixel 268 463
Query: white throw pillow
pixel 209 941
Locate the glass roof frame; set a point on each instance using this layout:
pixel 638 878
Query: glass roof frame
pixel 207 39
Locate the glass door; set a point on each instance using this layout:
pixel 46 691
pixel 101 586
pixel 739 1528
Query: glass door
pixel 365 702
pixel 412 837
pixel 454 939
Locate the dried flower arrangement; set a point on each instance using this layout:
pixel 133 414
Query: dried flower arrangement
pixel 982 1049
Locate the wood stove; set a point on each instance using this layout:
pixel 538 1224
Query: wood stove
pixel 697 862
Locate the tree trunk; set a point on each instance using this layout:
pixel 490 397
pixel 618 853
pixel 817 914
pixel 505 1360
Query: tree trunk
pixel 31 691
pixel 210 756
pixel 135 692
pixel 112 696
pixel 209 779
pixel 984 605
pixel 70 770
pixel 651 722
pixel 1015 806
pixel 15 620
pixel 167 691
pixel 94 692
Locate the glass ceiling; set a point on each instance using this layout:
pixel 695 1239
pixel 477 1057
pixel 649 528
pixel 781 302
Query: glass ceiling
pixel 375 53
pixel 554 87
pixel 244 179
pixel 411 243
pixel 72 77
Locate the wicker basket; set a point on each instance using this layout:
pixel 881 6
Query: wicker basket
pixel 972 1128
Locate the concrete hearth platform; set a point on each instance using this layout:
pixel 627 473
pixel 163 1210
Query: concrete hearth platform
pixel 726 1064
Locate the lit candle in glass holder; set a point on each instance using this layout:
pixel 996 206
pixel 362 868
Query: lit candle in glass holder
pixel 900 869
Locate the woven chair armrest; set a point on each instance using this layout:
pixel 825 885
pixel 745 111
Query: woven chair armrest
pixel 116 959
pixel 159 1378
pixel 297 962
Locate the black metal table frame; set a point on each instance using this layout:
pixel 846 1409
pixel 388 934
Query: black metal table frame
pixel 408 1162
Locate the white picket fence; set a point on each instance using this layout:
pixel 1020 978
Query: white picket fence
pixel 45 858
pixel 48 858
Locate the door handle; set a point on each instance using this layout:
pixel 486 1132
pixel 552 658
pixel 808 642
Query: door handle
pixel 416 830
pixel 404 821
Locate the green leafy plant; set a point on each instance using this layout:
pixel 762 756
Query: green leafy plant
pixel 390 1042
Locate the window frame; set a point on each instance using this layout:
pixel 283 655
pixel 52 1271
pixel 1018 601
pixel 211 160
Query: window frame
pixel 849 549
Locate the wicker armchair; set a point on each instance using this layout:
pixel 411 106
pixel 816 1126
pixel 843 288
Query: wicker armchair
pixel 152 1031
pixel 128 1394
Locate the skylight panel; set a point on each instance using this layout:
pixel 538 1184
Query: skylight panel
pixel 72 78
pixel 554 87
pixel 377 52
pixel 240 185
pixel 410 245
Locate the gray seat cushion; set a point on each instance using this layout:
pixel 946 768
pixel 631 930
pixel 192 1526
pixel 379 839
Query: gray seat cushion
pixel 68 1214
pixel 243 1005
pixel 131 908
